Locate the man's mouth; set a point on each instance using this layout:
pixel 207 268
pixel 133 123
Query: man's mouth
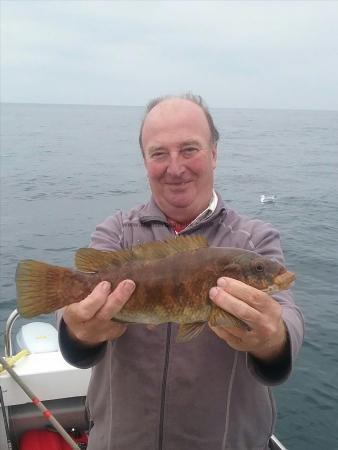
pixel 178 184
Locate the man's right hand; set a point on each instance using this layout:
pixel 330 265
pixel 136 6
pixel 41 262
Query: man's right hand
pixel 89 321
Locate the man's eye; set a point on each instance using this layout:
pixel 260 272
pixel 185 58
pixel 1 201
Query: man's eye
pixel 188 151
pixel 158 155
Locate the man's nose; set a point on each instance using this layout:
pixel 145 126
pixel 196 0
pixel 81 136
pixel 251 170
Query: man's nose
pixel 175 166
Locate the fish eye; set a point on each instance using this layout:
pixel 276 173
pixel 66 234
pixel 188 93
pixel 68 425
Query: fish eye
pixel 259 267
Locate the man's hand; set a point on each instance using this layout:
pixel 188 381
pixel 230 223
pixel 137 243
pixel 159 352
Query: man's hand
pixel 267 336
pixel 89 321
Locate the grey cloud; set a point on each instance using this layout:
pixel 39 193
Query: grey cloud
pixel 237 54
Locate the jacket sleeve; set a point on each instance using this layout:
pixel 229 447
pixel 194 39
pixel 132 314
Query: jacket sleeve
pixel 107 236
pixel 267 243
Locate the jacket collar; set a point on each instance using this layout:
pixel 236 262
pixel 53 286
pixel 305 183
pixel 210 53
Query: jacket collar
pixel 151 213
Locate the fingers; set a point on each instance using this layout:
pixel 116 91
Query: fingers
pixel 253 297
pixel 87 308
pixel 116 300
pixel 234 306
pixel 245 302
pixel 101 303
pixel 89 321
pixel 266 335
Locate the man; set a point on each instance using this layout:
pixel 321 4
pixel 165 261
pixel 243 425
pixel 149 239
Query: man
pixel 212 393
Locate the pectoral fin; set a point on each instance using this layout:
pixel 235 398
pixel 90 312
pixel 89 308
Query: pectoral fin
pixel 221 318
pixel 189 331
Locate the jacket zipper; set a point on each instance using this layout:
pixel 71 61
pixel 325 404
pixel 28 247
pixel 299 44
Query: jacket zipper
pixel 164 387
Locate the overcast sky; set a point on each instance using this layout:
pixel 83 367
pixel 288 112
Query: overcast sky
pixel 243 54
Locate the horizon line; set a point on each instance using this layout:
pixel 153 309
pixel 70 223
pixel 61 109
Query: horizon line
pixel 281 108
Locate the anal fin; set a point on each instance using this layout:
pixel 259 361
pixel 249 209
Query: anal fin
pixel 188 331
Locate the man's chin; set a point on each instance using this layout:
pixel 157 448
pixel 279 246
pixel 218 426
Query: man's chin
pixel 180 199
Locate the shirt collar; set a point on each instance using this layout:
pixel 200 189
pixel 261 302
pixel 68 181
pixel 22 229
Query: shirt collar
pixel 203 215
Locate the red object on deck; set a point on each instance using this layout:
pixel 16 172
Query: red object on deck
pixel 50 440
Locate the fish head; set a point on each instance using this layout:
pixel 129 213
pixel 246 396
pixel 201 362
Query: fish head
pixel 259 272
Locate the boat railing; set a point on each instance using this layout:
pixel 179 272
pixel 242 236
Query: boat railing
pixel 8 332
pixel 275 444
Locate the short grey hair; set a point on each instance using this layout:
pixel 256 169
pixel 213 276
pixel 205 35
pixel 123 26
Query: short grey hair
pixel 197 99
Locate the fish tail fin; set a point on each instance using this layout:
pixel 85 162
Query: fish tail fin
pixel 40 287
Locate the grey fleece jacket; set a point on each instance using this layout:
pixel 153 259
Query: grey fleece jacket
pixel 148 392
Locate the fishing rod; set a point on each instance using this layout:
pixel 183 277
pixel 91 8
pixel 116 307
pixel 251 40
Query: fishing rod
pixel 45 412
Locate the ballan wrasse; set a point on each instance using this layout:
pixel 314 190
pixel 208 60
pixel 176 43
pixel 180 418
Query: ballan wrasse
pixel 172 277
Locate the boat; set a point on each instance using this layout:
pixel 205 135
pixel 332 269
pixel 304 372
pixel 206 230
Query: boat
pixel 267 198
pixel 59 386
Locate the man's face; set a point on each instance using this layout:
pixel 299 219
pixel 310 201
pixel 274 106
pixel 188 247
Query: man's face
pixel 179 158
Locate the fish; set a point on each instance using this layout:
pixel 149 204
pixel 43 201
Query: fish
pixel 173 278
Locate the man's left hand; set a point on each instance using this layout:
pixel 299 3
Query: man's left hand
pixel 266 336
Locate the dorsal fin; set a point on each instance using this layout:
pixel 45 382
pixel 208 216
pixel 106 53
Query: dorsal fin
pixel 92 260
pixel 171 246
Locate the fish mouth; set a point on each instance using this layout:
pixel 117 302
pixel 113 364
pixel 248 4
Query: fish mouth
pixel 281 282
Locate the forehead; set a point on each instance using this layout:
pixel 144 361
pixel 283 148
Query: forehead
pixel 178 116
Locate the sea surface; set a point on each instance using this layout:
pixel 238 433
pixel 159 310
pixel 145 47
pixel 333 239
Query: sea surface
pixel 65 168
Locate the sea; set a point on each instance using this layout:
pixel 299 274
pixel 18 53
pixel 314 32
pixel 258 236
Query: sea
pixel 64 168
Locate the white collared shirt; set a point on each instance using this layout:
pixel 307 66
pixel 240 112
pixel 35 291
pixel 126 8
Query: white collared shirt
pixel 206 213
